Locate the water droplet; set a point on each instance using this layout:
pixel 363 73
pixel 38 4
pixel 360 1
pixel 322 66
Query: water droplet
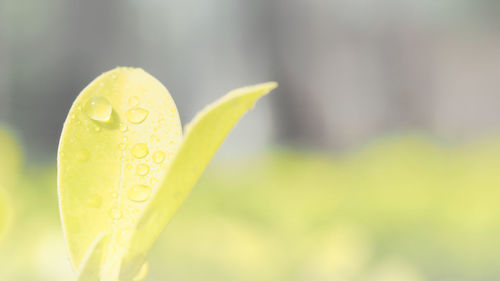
pixel 140 150
pixel 98 109
pixel 115 213
pixel 158 157
pixel 123 127
pixel 128 166
pixel 154 138
pixel 136 115
pixel 139 193
pixel 114 195
pixel 94 201
pixel 121 146
pixel 142 169
pixel 97 129
pixel 82 155
pixel 133 100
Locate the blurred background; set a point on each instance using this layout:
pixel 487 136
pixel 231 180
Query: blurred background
pixel 376 159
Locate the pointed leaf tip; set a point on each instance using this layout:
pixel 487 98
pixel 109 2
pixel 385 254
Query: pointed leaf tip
pixel 203 137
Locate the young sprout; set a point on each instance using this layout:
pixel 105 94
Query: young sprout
pixel 124 167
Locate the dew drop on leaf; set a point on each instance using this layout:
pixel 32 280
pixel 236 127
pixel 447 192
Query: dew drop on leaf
pixel 140 150
pixel 98 109
pixel 142 169
pixel 136 115
pixel 158 157
pixel 139 193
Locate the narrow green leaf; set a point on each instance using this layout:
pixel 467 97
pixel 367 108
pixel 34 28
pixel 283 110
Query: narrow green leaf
pixel 203 137
pixel 119 135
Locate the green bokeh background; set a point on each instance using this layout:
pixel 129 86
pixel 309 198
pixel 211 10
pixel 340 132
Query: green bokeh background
pixel 400 208
pixel 376 159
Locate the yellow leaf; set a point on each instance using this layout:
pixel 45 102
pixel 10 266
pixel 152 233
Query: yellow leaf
pixel 120 133
pixel 202 138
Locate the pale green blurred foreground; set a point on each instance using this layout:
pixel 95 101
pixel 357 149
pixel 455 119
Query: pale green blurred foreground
pixel 399 209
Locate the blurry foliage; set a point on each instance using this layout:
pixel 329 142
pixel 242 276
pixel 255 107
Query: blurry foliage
pixel 5 213
pixel 402 208
pixel 10 159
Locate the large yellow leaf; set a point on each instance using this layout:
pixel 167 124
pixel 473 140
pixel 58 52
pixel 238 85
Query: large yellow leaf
pixel 203 136
pixel 120 133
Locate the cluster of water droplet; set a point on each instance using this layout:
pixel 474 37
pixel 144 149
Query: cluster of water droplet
pixel 141 149
pixel 100 110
